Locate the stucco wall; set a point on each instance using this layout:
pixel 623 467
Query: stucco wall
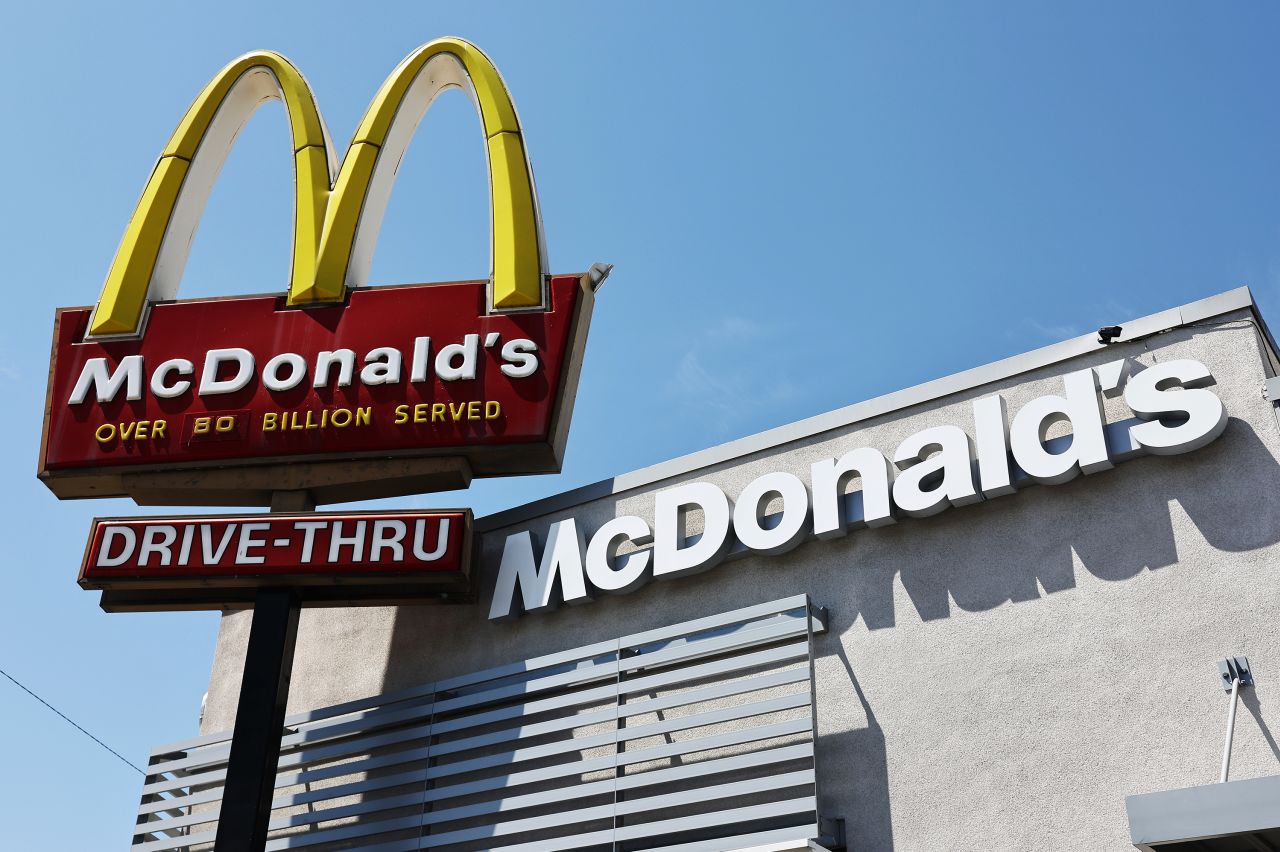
pixel 996 677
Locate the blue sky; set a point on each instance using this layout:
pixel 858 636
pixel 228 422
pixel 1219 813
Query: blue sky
pixel 807 204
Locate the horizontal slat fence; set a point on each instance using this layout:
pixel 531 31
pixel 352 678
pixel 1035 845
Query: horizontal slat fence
pixel 698 736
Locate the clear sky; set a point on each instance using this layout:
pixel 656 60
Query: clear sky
pixel 808 205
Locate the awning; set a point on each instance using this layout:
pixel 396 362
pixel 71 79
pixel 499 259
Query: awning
pixel 1237 816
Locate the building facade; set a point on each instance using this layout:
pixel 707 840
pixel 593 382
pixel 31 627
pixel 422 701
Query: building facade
pixel 997 668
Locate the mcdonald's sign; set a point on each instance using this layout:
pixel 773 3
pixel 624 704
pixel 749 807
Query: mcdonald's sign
pixel 344 390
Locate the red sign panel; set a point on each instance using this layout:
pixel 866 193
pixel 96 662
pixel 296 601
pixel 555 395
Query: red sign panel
pixel 219 561
pixel 396 373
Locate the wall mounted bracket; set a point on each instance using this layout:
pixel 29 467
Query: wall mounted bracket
pixel 1235 673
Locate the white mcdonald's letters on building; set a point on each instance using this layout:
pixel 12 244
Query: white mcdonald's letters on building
pixel 942 466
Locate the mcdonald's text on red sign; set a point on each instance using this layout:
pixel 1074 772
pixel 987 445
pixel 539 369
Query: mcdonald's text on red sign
pixel 411 371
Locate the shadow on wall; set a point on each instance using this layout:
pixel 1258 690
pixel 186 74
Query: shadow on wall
pixel 1116 532
pixel 1249 698
pixel 993 556
pixel 854 765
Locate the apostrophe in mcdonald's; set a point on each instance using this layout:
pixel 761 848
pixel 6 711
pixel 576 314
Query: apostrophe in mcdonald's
pixel 386 349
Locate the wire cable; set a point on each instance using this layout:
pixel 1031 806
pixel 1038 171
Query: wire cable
pixel 73 724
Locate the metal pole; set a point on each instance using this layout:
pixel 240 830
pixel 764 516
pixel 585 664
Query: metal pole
pixel 264 691
pixel 1231 730
pixel 255 741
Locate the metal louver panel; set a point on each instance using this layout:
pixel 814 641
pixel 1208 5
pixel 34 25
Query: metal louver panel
pixel 698 736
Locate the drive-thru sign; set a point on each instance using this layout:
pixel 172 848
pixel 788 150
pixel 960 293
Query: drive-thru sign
pixel 333 559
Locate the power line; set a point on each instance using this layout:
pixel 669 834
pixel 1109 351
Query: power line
pixel 73 724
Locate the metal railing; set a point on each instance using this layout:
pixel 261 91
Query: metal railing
pixel 699 736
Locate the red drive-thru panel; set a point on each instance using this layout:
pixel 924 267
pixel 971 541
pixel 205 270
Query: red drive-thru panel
pixel 396 376
pixel 220 561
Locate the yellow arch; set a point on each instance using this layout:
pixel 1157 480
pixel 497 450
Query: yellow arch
pixel 364 181
pixel 153 252
pixel 336 223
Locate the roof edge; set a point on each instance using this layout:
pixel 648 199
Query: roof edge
pixel 1185 315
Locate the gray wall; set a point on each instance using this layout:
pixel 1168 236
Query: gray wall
pixel 997 677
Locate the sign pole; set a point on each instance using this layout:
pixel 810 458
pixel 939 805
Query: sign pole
pixel 264 692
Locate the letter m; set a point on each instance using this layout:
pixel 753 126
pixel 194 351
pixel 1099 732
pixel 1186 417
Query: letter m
pixel 106 385
pixel 561 559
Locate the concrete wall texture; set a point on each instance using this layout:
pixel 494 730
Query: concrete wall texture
pixel 995 677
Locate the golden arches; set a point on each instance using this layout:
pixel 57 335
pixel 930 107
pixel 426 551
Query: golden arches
pixel 336 221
